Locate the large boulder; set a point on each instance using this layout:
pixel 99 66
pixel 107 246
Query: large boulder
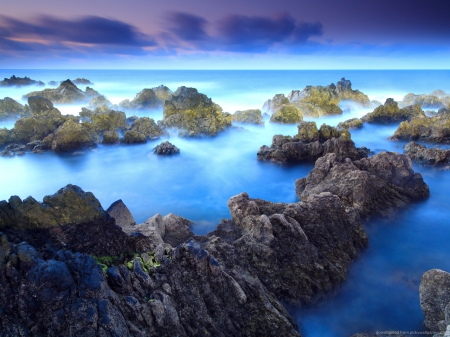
pixel 120 212
pixel 41 106
pixel 110 137
pixel 251 116
pixel 66 92
pixel 108 120
pixel 133 137
pixel 194 114
pixel 147 127
pixel 72 136
pixel 166 148
pixel 287 114
pixel 431 156
pixel 430 129
pixel 10 109
pixel 146 99
pixel 311 143
pixel 435 299
pixel 391 113
pixel 375 185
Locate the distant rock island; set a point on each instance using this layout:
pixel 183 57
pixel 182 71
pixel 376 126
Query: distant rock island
pixel 14 81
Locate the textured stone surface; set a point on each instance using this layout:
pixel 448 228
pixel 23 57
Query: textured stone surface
pixel 431 156
pixel 391 113
pixel 120 212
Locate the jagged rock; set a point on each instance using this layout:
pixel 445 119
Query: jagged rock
pixel 435 299
pixel 171 229
pixel 5 135
pixel 10 109
pixel 375 185
pixel 194 114
pixel 287 114
pixel 431 156
pixel 146 99
pixel 99 100
pixel 430 129
pixel 69 205
pixel 19 81
pixel 391 113
pixel 108 120
pixel 79 81
pixel 147 127
pixel 166 148
pixel 310 143
pixel 353 123
pixel 162 93
pixel 72 136
pixel 41 106
pixel 66 92
pixel 251 116
pixel 271 105
pixel 110 137
pixel 425 101
pixel 120 212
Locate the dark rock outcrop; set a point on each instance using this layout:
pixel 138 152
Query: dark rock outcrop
pixel 194 114
pixel 251 116
pixel 431 156
pixel 110 137
pixel 19 81
pixel 435 299
pixel 66 92
pixel 10 109
pixel 375 185
pixel 391 113
pixel 166 148
pixel 310 143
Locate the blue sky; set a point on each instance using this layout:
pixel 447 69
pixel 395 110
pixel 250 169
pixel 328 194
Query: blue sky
pixel 214 34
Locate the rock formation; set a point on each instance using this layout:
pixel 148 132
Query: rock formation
pixel 353 123
pixel 194 114
pixel 431 156
pixel 375 185
pixel 66 92
pixel 287 114
pixel 10 109
pixel 121 214
pixel 166 148
pixel 251 116
pixel 391 113
pixel 310 143
pixel 19 81
pixel 435 100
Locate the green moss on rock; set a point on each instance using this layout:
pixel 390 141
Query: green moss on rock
pixel 307 132
pixel 109 120
pixel 391 113
pixel 147 127
pixel 353 123
pixel 133 137
pixel 251 116
pixel 73 135
pixel 110 137
pixel 287 114
pixel 10 109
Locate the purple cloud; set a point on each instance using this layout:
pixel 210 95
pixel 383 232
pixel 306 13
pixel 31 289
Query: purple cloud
pixel 187 27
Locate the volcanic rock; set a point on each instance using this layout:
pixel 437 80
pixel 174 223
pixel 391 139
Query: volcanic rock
pixel 166 148
pixel 431 156
pixel 120 212
pixel 19 81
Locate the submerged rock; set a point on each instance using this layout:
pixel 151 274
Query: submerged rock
pixel 431 156
pixel 194 114
pixel 251 116
pixel 10 109
pixel 391 113
pixel 310 143
pixel 166 148
pixel 375 185
pixel 19 81
pixel 66 92
pixel 435 299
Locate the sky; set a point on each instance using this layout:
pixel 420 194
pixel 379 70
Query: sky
pixel 225 34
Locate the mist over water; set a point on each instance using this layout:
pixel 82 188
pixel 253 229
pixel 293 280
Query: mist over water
pixel 381 292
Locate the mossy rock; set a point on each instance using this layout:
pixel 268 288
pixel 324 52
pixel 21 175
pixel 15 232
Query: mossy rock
pixel 194 114
pixel 271 105
pixel 353 123
pixel 66 92
pixel 324 98
pixel 307 132
pixel 86 113
pixel 327 132
pixel 4 136
pixel 109 120
pixel 162 93
pixel 425 101
pixel 10 109
pixel 110 137
pixel 251 116
pixel 308 110
pixel 29 129
pixel 391 113
pixel 147 127
pixel 431 129
pixel 72 136
pixel 133 137
pixel 99 100
pixel 287 114
pixel 145 99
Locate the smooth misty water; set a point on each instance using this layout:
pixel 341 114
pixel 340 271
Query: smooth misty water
pixel 381 292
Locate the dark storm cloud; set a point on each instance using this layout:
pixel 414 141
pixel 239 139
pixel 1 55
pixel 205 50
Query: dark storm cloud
pixel 187 26
pixel 241 33
pixel 89 30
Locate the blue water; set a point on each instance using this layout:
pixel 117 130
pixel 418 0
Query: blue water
pixel 381 292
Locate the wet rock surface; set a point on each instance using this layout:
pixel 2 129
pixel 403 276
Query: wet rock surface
pixel 166 148
pixel 376 185
pixel 427 156
pixel 311 143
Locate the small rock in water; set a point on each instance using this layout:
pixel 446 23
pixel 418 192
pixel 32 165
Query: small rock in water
pixel 166 148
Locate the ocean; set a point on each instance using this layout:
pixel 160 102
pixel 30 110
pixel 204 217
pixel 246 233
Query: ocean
pixel 381 293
